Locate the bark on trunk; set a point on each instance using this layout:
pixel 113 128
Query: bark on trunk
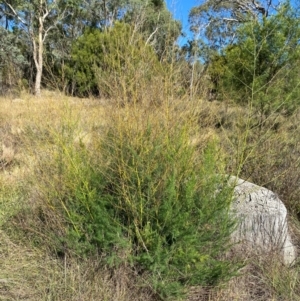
pixel 38 58
pixel 38 79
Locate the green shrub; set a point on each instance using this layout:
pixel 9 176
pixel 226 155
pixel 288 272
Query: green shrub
pixel 115 63
pixel 142 196
pixel 73 187
pixel 166 202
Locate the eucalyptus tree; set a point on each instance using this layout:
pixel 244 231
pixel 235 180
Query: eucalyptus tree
pixel 50 27
pixel 36 19
pixel 216 21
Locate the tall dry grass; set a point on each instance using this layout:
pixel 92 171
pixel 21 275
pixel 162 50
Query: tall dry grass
pixel 31 190
pixel 29 269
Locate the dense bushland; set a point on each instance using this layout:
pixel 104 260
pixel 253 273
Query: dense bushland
pixel 126 184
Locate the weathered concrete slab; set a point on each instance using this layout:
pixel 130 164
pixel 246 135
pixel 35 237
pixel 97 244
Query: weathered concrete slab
pixel 262 219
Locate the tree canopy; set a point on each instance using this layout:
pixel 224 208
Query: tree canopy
pixel 49 29
pixel 216 21
pixel 240 45
pixel 260 62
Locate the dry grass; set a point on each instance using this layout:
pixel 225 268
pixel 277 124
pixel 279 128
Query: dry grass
pixel 29 272
pixel 263 278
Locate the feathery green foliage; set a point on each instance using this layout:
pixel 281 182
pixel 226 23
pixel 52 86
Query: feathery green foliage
pixel 146 199
pixel 166 202
pixel 113 61
pixel 259 67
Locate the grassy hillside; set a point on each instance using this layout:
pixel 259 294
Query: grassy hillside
pixel 61 155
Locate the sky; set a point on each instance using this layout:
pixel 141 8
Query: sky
pixel 180 10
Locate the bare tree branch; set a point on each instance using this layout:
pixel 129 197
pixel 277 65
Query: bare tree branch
pixel 14 13
pixel 151 35
pixel 231 20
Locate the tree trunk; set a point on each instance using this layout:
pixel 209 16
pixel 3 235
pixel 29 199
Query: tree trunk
pixel 28 19
pixel 38 58
pixel 38 79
